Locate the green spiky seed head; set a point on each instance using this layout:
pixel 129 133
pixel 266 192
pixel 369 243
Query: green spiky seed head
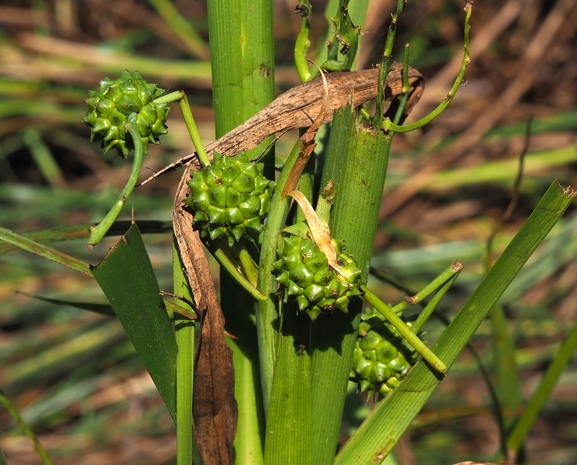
pixel 381 357
pixel 305 274
pixel 230 198
pixel 110 105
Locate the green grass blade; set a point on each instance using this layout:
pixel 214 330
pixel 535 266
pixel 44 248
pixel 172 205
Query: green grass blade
pixel 44 251
pixel 508 384
pixel 267 311
pixel 82 231
pixel 538 399
pixel 182 27
pixel 43 157
pixel 385 425
pixel 102 309
pixel 12 410
pixel 127 279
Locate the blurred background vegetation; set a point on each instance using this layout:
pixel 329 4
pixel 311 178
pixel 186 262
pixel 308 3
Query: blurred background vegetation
pixel 75 377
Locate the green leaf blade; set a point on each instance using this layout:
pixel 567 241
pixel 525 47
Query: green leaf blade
pixel 127 279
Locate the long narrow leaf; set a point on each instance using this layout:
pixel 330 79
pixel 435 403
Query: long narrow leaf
pixel 82 231
pixel 14 412
pixel 382 429
pixel 44 251
pixel 538 399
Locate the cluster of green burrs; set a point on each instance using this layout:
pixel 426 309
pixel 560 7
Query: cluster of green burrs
pixel 306 274
pixel 127 114
pixel 110 106
pixel 382 358
pixel 230 198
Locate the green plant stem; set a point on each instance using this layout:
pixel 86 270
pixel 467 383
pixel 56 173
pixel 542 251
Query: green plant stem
pixel 435 284
pixel 404 98
pixel 45 251
pixel 540 396
pixel 388 125
pixel 249 267
pixel 404 330
pixel 289 438
pixel 225 261
pixel 98 232
pixel 385 65
pixel 433 304
pixel 43 157
pixel 81 231
pixel 193 130
pixel 185 336
pixel 356 163
pixel 242 50
pixel 303 43
pixel 267 312
pixel 14 413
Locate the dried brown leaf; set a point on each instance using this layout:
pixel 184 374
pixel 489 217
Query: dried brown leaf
pixel 214 407
pixel 300 107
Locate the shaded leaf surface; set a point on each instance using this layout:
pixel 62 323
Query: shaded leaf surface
pixel 127 279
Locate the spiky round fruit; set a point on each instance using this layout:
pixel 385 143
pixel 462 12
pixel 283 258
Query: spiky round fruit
pixel 381 357
pixel 230 198
pixel 306 275
pixel 110 105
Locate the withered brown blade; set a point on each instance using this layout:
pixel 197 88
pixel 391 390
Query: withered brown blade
pixel 214 407
pixel 300 106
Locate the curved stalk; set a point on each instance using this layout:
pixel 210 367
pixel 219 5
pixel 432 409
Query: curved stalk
pixel 98 232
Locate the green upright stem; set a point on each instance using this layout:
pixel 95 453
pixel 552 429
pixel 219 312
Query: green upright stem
pixel 242 50
pixel 356 163
pixel 541 395
pixel 184 335
pixel 385 65
pixel 267 316
pixel 388 125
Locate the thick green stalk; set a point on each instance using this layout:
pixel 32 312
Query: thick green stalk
pixel 267 312
pixel 242 51
pixel 289 439
pixel 357 163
